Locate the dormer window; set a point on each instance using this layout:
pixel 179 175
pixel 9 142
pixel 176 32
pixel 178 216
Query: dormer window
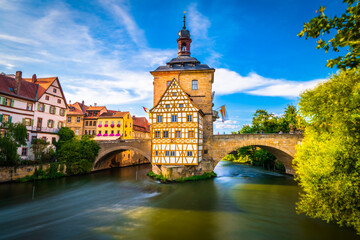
pixel 47 97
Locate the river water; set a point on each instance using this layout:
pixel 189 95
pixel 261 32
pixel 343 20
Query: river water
pixel 243 202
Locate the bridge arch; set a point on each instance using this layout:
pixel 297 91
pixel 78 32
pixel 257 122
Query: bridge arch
pixel 107 148
pixel 283 146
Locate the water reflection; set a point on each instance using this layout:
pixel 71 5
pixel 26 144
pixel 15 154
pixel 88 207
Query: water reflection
pixel 242 203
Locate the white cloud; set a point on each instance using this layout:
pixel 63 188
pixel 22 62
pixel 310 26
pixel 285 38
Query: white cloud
pixel 229 82
pixel 18 39
pixel 227 124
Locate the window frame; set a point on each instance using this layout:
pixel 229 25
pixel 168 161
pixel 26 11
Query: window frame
pixel 195 84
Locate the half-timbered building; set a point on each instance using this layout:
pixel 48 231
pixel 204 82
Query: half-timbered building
pixel 177 129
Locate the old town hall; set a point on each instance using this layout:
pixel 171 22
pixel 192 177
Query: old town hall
pixel 182 116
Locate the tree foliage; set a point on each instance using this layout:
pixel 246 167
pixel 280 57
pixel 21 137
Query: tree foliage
pixel 345 32
pixel 43 151
pixel 78 155
pixel 328 161
pixel 270 123
pixel 13 137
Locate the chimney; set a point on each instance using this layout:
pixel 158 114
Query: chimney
pixel 95 104
pixel 34 79
pixel 82 103
pixel 17 82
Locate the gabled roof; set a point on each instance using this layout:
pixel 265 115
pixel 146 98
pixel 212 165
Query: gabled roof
pixel 183 63
pixel 78 109
pixel 140 124
pixel 27 90
pixel 175 83
pixel 44 84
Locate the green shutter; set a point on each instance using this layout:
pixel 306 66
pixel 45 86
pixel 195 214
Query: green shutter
pixel 1 118
pixel 38 106
pixel 54 110
pixel 3 102
pixel 12 103
pixel 32 122
pixel 10 118
pixel 50 109
pixel 23 121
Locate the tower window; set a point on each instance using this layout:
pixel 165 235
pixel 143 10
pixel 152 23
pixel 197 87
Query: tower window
pixel 195 85
pixel 183 47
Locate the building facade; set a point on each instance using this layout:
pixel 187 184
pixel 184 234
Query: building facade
pixel 114 125
pixel 91 117
pixel 177 129
pixel 75 115
pixel 141 128
pixel 39 103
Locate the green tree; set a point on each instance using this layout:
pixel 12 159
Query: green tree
pixel 344 32
pixel 13 137
pixel 65 134
pixel 328 161
pixel 42 151
pixel 78 155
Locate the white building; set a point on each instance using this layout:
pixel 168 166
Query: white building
pixel 39 103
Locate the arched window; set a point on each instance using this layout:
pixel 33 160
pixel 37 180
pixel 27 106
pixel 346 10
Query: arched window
pixel 195 85
pixel 183 47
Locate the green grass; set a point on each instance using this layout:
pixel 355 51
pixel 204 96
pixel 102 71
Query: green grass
pixel 161 178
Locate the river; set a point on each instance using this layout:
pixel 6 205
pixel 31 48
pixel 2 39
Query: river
pixel 243 202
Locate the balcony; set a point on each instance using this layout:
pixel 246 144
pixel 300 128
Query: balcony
pixel 45 129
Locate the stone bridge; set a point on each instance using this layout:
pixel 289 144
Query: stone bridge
pixel 108 148
pixel 282 146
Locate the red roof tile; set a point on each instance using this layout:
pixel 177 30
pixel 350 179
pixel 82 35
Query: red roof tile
pixel 141 124
pixel 27 90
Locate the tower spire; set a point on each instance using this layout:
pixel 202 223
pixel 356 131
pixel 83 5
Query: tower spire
pixel 184 40
pixel 184 27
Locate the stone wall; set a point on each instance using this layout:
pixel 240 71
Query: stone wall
pixel 8 174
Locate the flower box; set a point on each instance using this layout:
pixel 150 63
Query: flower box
pixel 118 134
pixel 99 135
pixel 99 125
pixel 112 125
pixel 111 134
pixel 106 125
pixel 105 135
pixel 118 125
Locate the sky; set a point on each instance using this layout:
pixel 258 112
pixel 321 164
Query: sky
pixel 102 51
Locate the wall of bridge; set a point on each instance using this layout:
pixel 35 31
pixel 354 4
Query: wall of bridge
pixel 282 146
pixel 110 150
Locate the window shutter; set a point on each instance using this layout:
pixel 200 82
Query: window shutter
pixel 23 121
pixel 12 103
pixel 55 110
pixel 3 102
pixel 49 109
pixel 10 118
pixel 48 123
pixel 32 122
pixel 38 106
pixel 1 118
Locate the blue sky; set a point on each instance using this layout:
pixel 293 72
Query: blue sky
pixel 102 51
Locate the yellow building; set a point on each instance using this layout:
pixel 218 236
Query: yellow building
pixel 114 125
pixel 92 114
pixel 75 114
